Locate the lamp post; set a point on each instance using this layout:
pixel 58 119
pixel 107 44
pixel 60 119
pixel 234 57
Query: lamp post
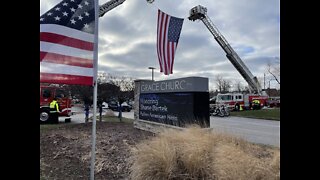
pixel 152 68
pixel 264 80
pixel 269 82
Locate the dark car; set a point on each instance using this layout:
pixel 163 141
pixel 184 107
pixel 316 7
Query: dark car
pixel 125 107
pixel 113 105
pixel 273 102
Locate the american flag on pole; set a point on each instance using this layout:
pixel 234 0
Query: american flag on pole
pixel 168 33
pixel 67 43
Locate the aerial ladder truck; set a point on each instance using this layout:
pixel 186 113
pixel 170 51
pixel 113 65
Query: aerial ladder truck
pixel 232 100
pixel 109 6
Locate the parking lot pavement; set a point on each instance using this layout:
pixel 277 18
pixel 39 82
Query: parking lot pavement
pixel 79 116
pixel 253 130
pixel 128 115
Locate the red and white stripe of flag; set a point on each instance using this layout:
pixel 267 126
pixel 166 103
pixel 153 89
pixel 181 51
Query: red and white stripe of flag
pixel 66 55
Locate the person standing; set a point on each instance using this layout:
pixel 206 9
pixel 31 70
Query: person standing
pixel 86 112
pixel 100 111
pixel 120 111
pixel 256 104
pixel 54 110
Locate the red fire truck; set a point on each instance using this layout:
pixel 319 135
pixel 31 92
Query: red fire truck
pixel 235 100
pixel 47 93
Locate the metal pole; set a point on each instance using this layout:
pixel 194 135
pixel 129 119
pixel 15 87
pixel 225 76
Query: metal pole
pixel 269 84
pixel 93 149
pixel 95 89
pixel 152 68
pixel 152 74
pixel 264 80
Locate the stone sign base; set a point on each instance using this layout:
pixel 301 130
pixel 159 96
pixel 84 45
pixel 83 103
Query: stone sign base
pixel 153 126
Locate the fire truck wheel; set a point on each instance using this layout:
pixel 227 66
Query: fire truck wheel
pixel 44 116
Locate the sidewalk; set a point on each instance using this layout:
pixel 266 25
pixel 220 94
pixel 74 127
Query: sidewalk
pixel 78 115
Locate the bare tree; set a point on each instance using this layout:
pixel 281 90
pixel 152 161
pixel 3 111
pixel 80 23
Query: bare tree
pixel 126 85
pixel 85 93
pixel 274 70
pixel 219 82
pixel 223 85
pixel 103 77
pixel 238 86
pixel 107 91
pixel 246 89
pixel 126 92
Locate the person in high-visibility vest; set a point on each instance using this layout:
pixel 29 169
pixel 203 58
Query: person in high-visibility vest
pixel 54 110
pixel 256 104
pixel 241 109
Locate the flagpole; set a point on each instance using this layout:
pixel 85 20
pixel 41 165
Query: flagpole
pixel 95 89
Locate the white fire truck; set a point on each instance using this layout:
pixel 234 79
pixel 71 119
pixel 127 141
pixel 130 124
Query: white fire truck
pixel 232 100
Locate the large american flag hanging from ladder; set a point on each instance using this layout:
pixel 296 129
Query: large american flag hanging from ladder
pixel 168 33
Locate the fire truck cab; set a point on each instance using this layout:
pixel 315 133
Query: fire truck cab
pixel 47 93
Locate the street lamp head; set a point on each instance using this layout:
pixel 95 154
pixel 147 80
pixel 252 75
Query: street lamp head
pixel 150 1
pixel 152 68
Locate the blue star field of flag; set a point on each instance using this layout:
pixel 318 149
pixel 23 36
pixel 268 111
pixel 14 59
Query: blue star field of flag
pixel 76 14
pixel 174 29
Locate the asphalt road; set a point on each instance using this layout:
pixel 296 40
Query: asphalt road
pixel 253 130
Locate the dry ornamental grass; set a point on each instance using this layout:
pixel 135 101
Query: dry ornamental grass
pixel 197 153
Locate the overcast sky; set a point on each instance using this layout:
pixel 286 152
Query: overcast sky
pixel 127 38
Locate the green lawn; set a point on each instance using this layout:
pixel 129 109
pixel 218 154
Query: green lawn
pixel 115 119
pixel 270 114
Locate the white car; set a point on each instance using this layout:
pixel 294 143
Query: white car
pixel 105 105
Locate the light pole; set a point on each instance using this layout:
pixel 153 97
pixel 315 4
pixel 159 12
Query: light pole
pixel 264 80
pixel 152 68
pixel 269 82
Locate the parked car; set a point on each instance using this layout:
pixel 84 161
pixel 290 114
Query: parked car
pixel 113 105
pixel 273 102
pixel 125 107
pixel 105 105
